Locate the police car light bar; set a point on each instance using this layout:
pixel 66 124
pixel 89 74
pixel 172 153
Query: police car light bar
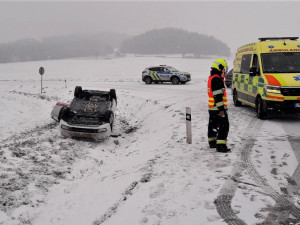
pixel 277 38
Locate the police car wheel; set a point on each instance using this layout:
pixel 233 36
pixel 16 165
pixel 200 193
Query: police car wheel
pixel 148 80
pixel 236 102
pixel 175 80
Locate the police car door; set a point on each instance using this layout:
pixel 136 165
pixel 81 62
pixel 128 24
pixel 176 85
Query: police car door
pixel 164 74
pixel 154 73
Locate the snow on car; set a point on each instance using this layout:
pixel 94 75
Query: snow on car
pixel 90 114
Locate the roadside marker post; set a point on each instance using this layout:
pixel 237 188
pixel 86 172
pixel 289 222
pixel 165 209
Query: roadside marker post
pixel 188 118
pixel 41 71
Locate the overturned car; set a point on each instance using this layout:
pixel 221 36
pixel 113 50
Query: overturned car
pixel 90 114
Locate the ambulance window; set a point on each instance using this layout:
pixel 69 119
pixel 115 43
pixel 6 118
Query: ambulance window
pixel 255 63
pixel 245 65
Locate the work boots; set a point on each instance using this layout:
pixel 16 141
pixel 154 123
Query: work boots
pixel 223 148
pixel 212 144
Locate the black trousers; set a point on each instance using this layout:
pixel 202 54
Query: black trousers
pixel 218 127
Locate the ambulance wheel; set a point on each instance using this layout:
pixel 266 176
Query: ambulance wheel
pixel 148 80
pixel 236 102
pixel 175 80
pixel 260 112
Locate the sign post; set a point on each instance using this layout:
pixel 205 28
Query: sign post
pixel 41 71
pixel 188 118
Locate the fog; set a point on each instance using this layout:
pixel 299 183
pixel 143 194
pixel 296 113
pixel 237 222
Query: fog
pixel 233 22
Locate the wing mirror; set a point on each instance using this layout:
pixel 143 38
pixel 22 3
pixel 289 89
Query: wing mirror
pixel 253 71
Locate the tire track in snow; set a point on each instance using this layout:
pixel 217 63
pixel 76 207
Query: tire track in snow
pixel 146 177
pixel 39 159
pixel 223 201
pixel 279 213
pixel 34 131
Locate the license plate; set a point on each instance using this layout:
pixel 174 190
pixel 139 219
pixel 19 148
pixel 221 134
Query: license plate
pixel 297 105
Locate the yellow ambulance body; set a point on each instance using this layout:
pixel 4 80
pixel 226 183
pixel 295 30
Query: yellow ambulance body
pixel 266 75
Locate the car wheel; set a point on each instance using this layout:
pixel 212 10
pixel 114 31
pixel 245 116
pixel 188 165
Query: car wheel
pixel 148 80
pixel 110 119
pixel 260 112
pixel 63 113
pixel 78 91
pixel 175 80
pixel 236 102
pixel 112 94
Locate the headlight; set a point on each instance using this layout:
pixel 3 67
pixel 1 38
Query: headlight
pixel 102 130
pixel 273 89
pixel 65 127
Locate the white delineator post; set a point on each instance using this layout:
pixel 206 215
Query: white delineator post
pixel 188 118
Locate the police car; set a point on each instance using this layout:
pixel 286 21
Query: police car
pixel 164 73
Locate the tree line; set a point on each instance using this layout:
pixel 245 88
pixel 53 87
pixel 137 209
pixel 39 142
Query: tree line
pixel 52 48
pixel 175 41
pixel 157 41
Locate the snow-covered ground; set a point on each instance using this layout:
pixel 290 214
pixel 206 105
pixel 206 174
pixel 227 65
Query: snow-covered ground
pixel 147 173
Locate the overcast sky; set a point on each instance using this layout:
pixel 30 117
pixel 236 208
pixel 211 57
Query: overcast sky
pixel 233 22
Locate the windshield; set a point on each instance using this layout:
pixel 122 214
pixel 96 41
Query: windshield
pixel 172 69
pixel 285 62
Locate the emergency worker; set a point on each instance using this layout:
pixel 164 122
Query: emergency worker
pixel 218 125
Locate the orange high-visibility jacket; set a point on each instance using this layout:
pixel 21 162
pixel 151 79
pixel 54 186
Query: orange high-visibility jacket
pixel 217 96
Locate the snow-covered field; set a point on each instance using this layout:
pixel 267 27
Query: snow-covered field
pixel 147 173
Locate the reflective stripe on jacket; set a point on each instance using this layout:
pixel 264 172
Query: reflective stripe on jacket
pixel 214 104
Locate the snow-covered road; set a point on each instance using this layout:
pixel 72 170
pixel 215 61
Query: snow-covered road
pixel 147 174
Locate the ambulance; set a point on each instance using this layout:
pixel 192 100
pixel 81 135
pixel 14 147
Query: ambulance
pixel 266 75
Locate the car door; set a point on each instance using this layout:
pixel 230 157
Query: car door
pixel 154 73
pixel 243 87
pixel 164 74
pixel 253 79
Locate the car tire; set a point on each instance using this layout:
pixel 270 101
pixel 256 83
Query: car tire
pixel 236 102
pixel 77 91
pixel 260 112
pixel 112 94
pixel 148 80
pixel 63 113
pixel 175 80
pixel 110 119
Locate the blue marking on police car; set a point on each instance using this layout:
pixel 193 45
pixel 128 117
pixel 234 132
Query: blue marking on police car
pixel 180 77
pixel 271 46
pixel 297 78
